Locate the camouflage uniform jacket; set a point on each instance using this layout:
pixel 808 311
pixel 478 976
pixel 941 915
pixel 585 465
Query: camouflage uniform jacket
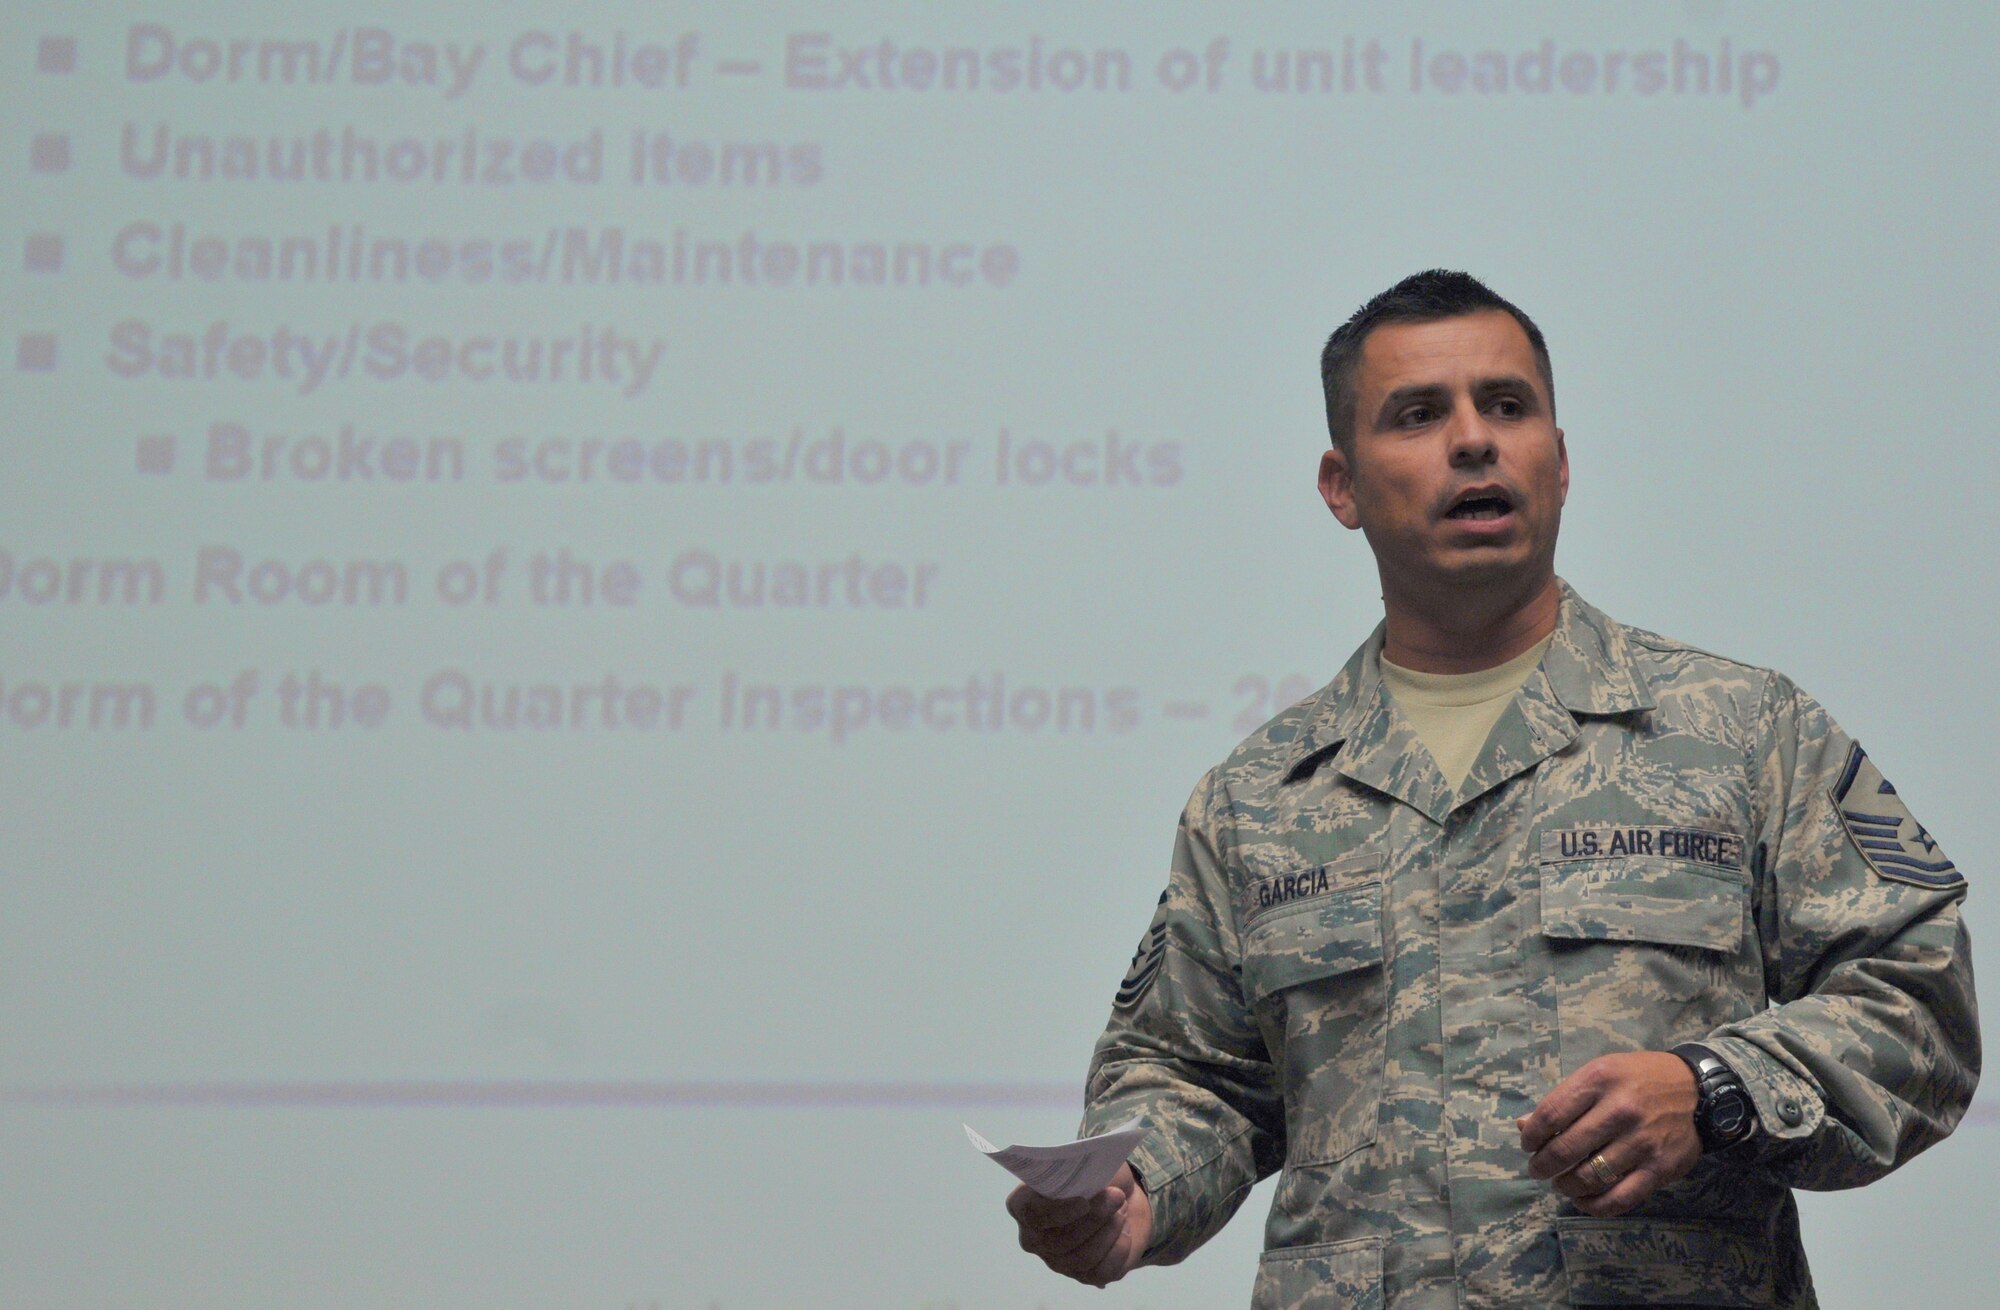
pixel 1362 977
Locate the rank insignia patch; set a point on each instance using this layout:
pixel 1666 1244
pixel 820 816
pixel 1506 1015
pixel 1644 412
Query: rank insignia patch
pixel 1883 829
pixel 1146 960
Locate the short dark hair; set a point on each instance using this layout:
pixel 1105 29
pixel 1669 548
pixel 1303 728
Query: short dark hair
pixel 1419 298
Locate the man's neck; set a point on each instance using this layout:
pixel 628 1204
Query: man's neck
pixel 1464 632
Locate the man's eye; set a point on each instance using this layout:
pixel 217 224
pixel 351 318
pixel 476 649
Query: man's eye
pixel 1508 407
pixel 1419 414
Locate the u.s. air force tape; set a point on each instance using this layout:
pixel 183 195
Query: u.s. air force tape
pixel 1146 960
pixel 1721 850
pixel 1883 829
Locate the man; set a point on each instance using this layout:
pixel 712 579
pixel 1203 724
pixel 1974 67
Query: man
pixel 1543 954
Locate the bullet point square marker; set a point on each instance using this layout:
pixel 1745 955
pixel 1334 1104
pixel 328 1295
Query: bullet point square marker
pixel 45 253
pixel 155 454
pixel 36 352
pixel 50 153
pixel 56 54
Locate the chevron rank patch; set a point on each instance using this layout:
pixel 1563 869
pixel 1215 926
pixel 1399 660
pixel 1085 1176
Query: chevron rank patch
pixel 1883 829
pixel 1146 960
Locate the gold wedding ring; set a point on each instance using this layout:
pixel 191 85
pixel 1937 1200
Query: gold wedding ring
pixel 1599 1172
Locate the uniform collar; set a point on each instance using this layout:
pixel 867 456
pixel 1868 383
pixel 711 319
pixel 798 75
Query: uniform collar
pixel 1590 665
pixel 1589 669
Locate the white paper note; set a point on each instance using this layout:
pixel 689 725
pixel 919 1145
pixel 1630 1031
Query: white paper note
pixel 1080 1168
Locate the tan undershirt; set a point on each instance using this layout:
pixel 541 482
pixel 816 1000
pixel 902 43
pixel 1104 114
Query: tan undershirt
pixel 1454 713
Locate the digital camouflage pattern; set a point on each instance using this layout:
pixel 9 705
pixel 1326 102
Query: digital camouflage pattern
pixel 1364 978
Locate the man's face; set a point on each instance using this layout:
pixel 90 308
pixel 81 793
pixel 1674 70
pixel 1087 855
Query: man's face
pixel 1457 473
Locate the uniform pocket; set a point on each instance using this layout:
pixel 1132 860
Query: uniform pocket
pixel 1664 1263
pixel 1641 898
pixel 1314 970
pixel 1331 1276
pixel 1644 950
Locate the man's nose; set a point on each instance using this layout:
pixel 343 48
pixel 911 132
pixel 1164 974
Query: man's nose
pixel 1471 438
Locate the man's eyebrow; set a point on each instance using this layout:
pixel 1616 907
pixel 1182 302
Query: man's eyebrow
pixel 1507 382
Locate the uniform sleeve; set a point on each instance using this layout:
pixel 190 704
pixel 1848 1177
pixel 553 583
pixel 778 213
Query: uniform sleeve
pixel 1870 1050
pixel 1182 1050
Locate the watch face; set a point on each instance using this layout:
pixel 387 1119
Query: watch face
pixel 1729 1114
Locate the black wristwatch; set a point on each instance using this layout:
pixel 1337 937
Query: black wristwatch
pixel 1723 1112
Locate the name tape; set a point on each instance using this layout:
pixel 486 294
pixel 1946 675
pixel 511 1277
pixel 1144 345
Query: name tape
pixel 1721 850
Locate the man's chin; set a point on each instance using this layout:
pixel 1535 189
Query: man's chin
pixel 1485 566
pixel 1490 572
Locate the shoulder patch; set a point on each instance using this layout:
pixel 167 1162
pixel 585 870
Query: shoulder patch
pixel 1882 828
pixel 1146 960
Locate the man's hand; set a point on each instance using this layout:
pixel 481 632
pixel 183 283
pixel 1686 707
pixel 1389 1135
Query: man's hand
pixel 1093 1239
pixel 1615 1131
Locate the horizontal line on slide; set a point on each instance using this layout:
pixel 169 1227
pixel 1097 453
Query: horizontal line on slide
pixel 518 1094
pixel 522 1094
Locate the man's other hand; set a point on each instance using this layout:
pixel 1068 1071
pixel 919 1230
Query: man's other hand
pixel 1615 1131
pixel 1093 1239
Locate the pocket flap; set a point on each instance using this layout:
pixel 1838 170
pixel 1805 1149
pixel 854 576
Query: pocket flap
pixel 1638 898
pixel 1664 1262
pixel 1330 1276
pixel 1334 933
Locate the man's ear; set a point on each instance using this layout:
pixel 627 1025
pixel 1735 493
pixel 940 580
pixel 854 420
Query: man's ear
pixel 1336 486
pixel 1562 457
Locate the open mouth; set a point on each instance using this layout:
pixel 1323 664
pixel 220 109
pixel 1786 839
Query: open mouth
pixel 1480 505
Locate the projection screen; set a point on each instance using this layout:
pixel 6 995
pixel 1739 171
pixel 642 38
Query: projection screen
pixel 605 609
